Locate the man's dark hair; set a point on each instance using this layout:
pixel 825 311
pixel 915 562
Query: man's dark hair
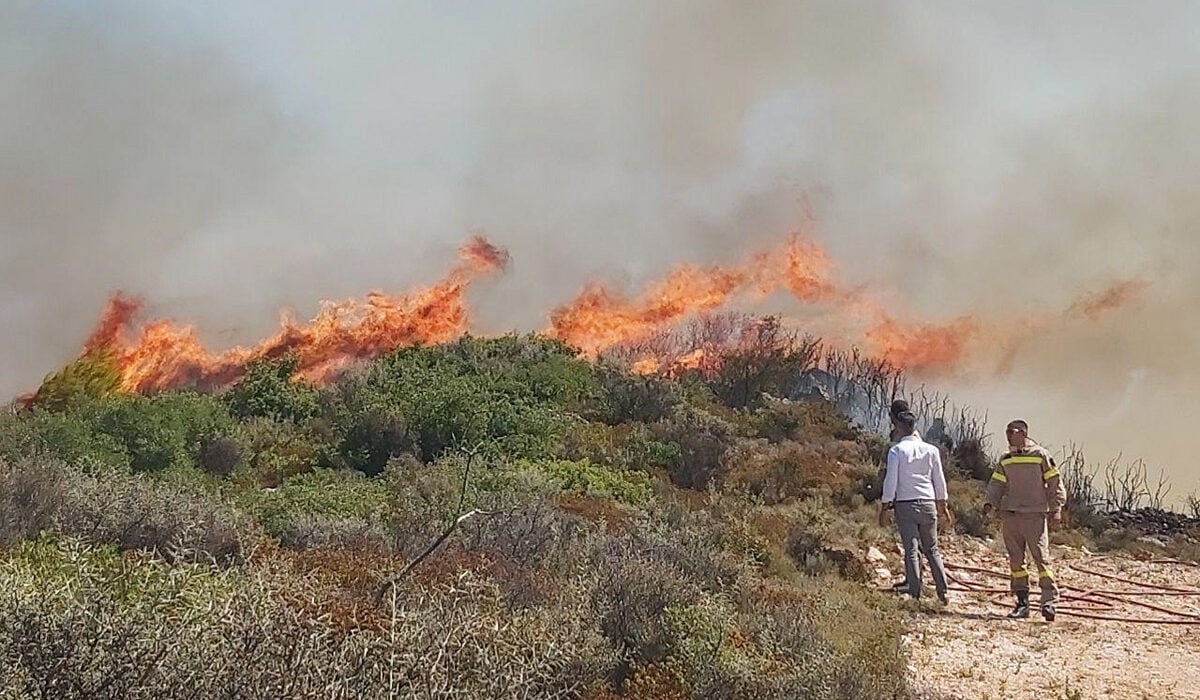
pixel 898 406
pixel 905 421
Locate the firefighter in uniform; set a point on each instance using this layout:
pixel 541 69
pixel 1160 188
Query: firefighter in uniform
pixel 1027 491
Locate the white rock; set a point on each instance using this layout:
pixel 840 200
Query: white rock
pixel 874 555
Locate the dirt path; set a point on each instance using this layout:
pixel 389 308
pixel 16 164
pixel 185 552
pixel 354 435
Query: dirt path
pixel 971 652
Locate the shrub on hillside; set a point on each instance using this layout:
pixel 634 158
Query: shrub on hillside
pixel 971 459
pixel 279 450
pixel 626 446
pixel 163 431
pixel 79 625
pixel 966 503
pixel 68 436
pixel 629 598
pixel 32 495
pixel 783 472
pixel 703 439
pixel 449 401
pixel 91 377
pixel 835 639
pixel 129 512
pixel 628 487
pixel 318 498
pixel 136 513
pixel 766 360
pixel 801 421
pixel 267 390
pixel 627 397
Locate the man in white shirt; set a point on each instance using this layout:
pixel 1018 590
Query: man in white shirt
pixel 915 487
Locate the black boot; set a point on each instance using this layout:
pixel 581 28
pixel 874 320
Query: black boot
pixel 1022 610
pixel 1048 611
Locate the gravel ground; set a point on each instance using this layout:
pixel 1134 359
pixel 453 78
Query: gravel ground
pixel 970 651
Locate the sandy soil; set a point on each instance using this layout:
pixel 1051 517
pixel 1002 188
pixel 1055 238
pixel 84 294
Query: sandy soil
pixel 970 651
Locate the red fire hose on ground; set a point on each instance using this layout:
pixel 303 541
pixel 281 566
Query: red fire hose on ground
pixel 1094 603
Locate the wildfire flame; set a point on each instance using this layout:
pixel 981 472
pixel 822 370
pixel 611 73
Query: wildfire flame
pixel 162 355
pixel 600 318
pixel 165 355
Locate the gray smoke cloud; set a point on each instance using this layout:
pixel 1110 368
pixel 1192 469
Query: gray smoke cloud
pixel 228 159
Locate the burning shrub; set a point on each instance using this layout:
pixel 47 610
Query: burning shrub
pixel 91 377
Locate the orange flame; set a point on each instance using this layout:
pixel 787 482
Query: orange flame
pixel 162 355
pixel 921 346
pixel 165 355
pixel 600 318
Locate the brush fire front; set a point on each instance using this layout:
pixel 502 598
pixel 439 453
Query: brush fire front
pixel 163 355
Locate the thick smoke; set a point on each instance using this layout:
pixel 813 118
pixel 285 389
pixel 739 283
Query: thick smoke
pixel 226 160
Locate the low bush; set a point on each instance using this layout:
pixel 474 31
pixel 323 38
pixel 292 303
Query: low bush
pixel 129 512
pixel 84 624
pixel 628 487
pixel 703 439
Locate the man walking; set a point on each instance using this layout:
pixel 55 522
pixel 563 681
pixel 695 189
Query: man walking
pixel 915 487
pixel 1027 491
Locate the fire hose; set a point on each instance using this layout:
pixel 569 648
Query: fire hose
pixel 1093 603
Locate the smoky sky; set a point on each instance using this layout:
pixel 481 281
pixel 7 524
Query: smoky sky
pixel 225 160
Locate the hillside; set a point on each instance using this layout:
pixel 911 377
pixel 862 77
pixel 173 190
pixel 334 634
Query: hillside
pixel 602 533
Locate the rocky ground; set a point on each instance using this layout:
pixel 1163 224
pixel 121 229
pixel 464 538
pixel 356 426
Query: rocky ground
pixel 970 651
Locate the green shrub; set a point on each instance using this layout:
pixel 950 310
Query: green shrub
pixel 626 446
pixel 703 439
pixel 129 512
pixel 627 397
pixel 267 390
pixel 628 487
pixel 71 437
pixel 91 377
pixel 276 450
pixel 320 496
pixel 163 431
pixel 801 421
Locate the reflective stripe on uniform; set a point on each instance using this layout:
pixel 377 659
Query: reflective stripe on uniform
pixel 1021 459
pixel 1020 573
pixel 1047 574
pixel 1047 475
pixel 1000 477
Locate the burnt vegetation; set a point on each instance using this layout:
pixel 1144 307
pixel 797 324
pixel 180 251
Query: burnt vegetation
pixel 599 534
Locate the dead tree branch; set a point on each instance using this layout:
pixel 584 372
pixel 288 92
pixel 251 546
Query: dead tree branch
pixel 458 519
